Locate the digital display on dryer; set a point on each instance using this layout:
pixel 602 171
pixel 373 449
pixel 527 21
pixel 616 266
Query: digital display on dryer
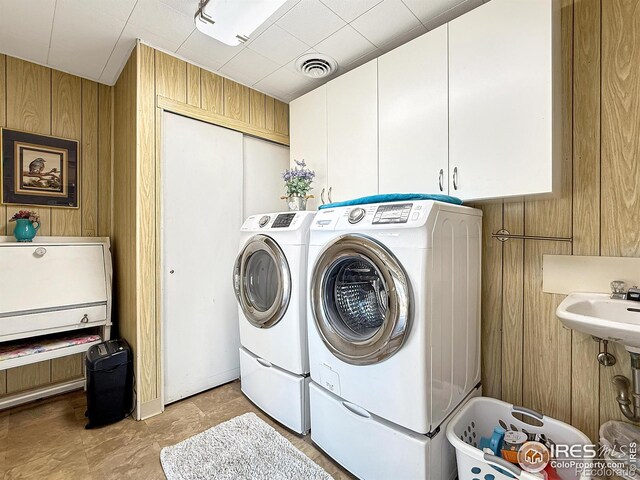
pixel 283 220
pixel 392 213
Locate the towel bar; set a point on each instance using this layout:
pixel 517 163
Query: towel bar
pixel 503 235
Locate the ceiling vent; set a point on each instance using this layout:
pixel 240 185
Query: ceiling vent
pixel 316 65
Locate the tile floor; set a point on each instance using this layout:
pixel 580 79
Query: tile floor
pixel 47 439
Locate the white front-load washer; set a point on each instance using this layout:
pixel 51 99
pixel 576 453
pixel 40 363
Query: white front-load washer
pixel 270 283
pixel 394 323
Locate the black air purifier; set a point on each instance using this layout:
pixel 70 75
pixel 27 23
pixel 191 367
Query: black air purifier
pixel 109 367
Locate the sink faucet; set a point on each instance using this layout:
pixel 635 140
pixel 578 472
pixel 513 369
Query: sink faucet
pixel 617 290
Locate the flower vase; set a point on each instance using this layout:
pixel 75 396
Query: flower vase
pixel 296 203
pixel 25 230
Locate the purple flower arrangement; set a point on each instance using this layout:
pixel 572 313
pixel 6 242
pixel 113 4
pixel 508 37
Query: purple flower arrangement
pixel 297 180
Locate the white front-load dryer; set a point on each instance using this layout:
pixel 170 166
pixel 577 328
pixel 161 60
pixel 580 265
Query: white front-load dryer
pixel 270 284
pixel 394 308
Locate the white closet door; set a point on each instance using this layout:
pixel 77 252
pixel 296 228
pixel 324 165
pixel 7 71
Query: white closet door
pixel 201 218
pixel 264 163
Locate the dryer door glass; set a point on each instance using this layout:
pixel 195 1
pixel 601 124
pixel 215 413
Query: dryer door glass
pixel 262 281
pixel 360 298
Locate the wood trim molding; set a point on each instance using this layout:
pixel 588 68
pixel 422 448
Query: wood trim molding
pixel 149 409
pixel 208 116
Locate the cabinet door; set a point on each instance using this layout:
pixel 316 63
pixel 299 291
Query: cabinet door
pixel 504 137
pixel 352 120
pixel 308 136
pixel 413 103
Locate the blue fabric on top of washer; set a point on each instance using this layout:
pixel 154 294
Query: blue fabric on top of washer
pixel 393 197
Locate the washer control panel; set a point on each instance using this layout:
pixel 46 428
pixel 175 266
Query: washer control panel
pixel 283 220
pixel 392 213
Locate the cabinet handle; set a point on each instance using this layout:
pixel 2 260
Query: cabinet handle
pixel 322 196
pixel 455 178
pixel 440 179
pixel 329 195
pixel 40 251
pixel 85 319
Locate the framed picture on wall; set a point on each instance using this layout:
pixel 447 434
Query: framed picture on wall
pixel 38 170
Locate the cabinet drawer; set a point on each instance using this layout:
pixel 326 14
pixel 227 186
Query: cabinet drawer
pixel 43 322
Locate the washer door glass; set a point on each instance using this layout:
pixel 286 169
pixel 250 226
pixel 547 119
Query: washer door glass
pixel 360 298
pixel 358 305
pixel 262 281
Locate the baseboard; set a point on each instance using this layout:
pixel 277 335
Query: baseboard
pixel 48 391
pixel 149 409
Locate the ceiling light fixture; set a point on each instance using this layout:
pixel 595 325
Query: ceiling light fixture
pixel 233 21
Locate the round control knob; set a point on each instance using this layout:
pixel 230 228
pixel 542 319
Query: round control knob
pixel 264 220
pixel 356 215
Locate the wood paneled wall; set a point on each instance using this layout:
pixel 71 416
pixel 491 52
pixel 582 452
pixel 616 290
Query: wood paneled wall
pixel 45 101
pixel 152 74
pixel 528 357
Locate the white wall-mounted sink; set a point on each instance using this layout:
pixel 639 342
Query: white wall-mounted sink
pixel 598 315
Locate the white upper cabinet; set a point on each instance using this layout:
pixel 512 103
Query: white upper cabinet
pixel 413 109
pixel 352 121
pixel 308 133
pixel 504 102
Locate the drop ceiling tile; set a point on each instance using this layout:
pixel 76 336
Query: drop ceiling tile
pixel 208 52
pixel 150 37
pixel 345 46
pixel 186 7
pixel 284 82
pixel 117 60
pixel 25 34
pixel 310 21
pixel 428 10
pixel 278 45
pixel 248 67
pixel 83 38
pixel 460 9
pixel 349 10
pixel 284 8
pixel 154 21
pixel 117 9
pixel 386 21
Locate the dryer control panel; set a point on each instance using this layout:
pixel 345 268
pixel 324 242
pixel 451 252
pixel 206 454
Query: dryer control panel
pixel 392 213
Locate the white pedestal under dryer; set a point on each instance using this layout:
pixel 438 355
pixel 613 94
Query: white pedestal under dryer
pixel 394 333
pixel 270 283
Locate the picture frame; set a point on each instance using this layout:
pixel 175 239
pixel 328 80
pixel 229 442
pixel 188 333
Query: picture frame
pixel 38 170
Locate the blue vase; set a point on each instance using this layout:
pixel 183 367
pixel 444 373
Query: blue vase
pixel 25 230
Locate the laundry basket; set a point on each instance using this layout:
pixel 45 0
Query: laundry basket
pixel 621 442
pixel 479 417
